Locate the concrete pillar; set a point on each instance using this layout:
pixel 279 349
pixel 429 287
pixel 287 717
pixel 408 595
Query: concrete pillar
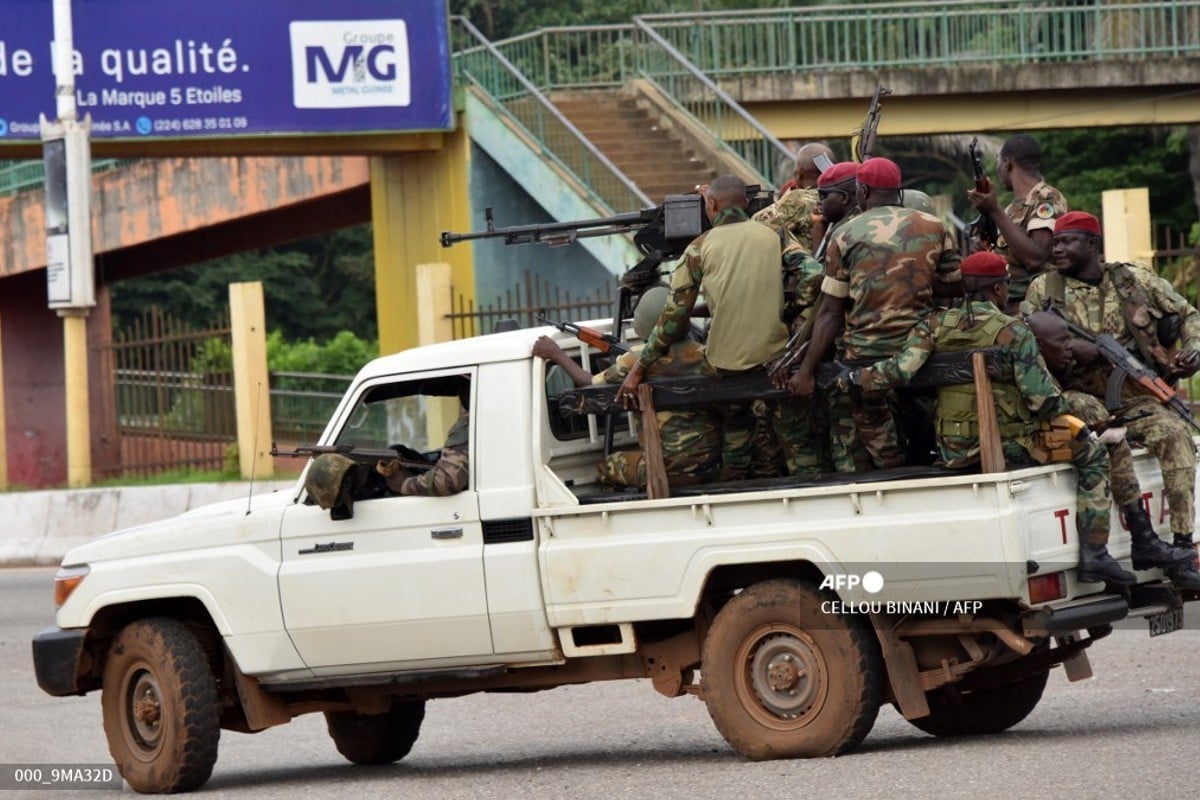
pixel 1127 229
pixel 75 373
pixel 251 385
pixel 414 197
pixel 433 304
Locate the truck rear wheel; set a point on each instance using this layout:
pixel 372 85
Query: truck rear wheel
pixel 377 738
pixel 160 707
pixel 782 679
pixel 980 712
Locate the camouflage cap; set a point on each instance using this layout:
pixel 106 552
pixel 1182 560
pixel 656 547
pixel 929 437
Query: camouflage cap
pixel 329 481
pixel 915 198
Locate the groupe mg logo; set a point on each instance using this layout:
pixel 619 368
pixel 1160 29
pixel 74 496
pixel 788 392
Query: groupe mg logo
pixel 350 64
pixel 870 582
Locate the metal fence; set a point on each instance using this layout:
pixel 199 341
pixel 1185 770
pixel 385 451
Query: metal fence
pixel 303 402
pixel 523 303
pixel 174 395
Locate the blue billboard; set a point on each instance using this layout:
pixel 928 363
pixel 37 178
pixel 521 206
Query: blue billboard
pixel 195 68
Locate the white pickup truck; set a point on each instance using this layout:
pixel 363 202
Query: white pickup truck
pixel 793 609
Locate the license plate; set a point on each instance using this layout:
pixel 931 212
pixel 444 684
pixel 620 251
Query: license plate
pixel 1166 622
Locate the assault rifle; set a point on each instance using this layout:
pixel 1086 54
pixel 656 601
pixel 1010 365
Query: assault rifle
pixel 407 457
pixel 603 342
pixel 1126 366
pixel 863 144
pixel 983 226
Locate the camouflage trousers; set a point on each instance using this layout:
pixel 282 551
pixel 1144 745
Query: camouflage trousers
pixel 737 442
pixel 802 426
pixel 1170 440
pixel 1125 486
pixel 691 446
pixel 876 427
pixel 846 450
pixel 1093 501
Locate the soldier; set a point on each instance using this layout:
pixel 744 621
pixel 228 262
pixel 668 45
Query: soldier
pixel 691 438
pixel 1128 302
pixel 1024 397
pixel 796 210
pixel 882 270
pixel 737 263
pixel 451 471
pixel 1027 223
pixel 1070 362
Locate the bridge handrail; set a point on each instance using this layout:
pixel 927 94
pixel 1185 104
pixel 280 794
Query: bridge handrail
pixel 18 176
pixel 923 34
pixel 709 105
pixel 526 106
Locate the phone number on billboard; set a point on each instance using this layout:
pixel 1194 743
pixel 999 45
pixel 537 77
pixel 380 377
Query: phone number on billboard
pixel 200 124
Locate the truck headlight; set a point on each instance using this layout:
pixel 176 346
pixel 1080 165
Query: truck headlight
pixel 66 581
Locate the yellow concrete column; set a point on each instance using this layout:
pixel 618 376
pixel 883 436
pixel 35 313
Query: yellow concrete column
pixel 251 385
pixel 433 304
pixel 75 377
pixel 414 197
pixel 3 424
pixel 1127 229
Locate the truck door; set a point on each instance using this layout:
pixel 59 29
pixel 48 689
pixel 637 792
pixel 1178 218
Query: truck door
pixel 400 584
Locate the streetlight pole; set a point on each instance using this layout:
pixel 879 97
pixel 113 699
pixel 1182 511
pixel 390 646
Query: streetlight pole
pixel 70 282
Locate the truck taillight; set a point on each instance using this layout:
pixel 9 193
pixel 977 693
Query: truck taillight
pixel 66 581
pixel 1044 588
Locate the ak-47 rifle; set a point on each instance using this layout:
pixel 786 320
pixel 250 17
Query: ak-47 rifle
pixel 604 342
pixel 1126 366
pixel 408 458
pixel 983 226
pixel 863 144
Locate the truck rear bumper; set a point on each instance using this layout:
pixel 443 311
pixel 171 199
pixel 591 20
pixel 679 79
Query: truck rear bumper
pixel 56 657
pixel 1089 612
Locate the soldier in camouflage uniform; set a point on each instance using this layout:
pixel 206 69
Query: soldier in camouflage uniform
pixel 796 210
pixel 1127 301
pixel 691 438
pixel 882 271
pixel 1060 353
pixel 1025 396
pixel 451 471
pixel 1027 223
pixel 737 264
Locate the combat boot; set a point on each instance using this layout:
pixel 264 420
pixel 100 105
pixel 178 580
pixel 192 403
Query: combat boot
pixel 1147 549
pixel 1184 576
pixel 1096 565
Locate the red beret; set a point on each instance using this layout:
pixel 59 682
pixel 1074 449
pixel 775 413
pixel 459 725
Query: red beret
pixel 838 173
pixel 1078 221
pixel 879 173
pixel 984 264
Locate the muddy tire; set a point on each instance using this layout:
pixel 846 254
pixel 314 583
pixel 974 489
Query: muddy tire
pixel 982 711
pixel 781 679
pixel 160 707
pixel 377 738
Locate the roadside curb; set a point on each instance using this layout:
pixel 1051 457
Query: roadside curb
pixel 44 525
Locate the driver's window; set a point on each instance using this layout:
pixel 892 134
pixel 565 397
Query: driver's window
pixel 380 421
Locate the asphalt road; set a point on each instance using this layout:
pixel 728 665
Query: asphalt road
pixel 1128 732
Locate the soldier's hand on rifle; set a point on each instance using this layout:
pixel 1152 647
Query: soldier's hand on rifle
pixel 1186 363
pixel 627 394
pixel 392 473
pixel 986 202
pixel 1085 353
pixel 802 383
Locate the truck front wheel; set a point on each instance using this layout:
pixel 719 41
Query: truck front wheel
pixel 782 679
pixel 160 707
pixel 377 738
pixel 982 711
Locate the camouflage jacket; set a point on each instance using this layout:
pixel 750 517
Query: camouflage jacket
pixel 1035 211
pixel 885 261
pixel 682 359
pixel 449 475
pixel 1114 308
pixel 793 212
pixel 801 281
pixel 1027 380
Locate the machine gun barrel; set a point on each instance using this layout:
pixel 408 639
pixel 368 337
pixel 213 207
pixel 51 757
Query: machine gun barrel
pixel 554 232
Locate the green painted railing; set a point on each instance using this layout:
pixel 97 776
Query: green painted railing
pixel 479 63
pixel 931 34
pixel 17 176
pixel 606 56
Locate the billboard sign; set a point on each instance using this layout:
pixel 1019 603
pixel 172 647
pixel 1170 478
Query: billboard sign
pixel 195 68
